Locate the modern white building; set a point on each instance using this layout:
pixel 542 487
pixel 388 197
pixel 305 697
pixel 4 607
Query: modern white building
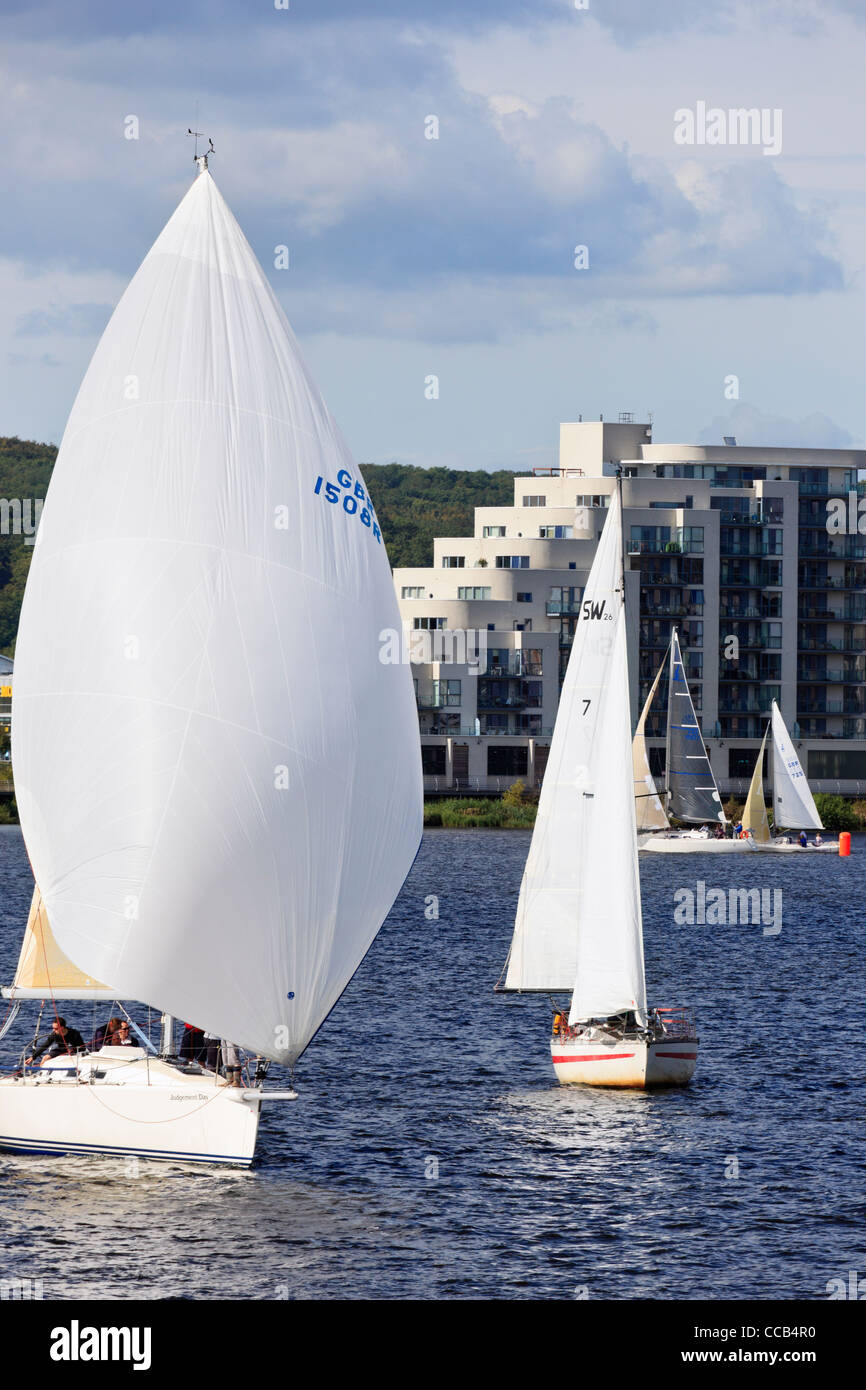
pixel 730 543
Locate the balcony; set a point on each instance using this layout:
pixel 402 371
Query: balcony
pixel 557 609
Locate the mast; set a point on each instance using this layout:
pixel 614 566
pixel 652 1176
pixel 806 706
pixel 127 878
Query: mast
pixel 668 722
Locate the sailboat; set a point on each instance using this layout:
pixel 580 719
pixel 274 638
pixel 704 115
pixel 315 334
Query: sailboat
pixel 793 803
pixel 218 777
pixel 692 793
pixel 578 923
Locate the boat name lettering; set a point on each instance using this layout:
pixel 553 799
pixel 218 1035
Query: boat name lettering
pixel 355 501
pixel 189 1095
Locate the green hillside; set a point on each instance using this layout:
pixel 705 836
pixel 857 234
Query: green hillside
pixel 416 504
pixel 25 469
pixel 413 505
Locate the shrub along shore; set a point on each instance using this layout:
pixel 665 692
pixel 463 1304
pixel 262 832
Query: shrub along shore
pixel 516 809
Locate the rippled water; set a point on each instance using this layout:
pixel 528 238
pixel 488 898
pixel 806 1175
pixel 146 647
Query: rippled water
pixel 541 1191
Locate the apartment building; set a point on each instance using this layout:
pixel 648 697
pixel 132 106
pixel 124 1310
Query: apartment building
pixel 740 547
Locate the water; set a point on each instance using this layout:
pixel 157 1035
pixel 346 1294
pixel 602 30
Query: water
pixel 542 1191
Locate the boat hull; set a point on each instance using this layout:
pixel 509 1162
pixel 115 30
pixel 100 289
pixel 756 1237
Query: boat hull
pixel 145 1109
pixel 689 844
pixel 773 847
pixel 626 1063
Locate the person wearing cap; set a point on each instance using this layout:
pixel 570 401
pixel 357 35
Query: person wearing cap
pixel 61 1039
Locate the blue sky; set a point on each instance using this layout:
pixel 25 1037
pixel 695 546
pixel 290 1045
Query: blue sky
pixel 455 256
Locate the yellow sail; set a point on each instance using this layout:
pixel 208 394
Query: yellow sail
pixel 649 811
pixel 755 813
pixel 44 970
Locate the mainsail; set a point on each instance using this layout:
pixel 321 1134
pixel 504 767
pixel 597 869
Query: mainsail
pixel 578 919
pixel 755 810
pixel 219 779
pixel 649 811
pixel 43 970
pixel 793 804
pixel 693 794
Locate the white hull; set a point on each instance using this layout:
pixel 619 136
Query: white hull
pixel 691 844
pixel 624 1062
pixel 774 847
pixel 146 1107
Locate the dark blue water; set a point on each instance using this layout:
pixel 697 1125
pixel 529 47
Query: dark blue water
pixel 541 1191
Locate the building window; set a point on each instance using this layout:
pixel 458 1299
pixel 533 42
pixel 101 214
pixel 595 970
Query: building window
pixel 773 509
pixel 533 693
pixel 555 533
pixel 649 540
pixel 773 540
pixel 429 624
pixel 842 765
pixel 473 591
pixel 433 759
pixel 536 501
pixel 512 562
pixel 506 762
pixel 524 626
pixel 412 591
pixel 771 574
pixel 446 692
pixel 495 531
pixel 741 762
pixel 524 598
pixel 453 562
pixel 594 499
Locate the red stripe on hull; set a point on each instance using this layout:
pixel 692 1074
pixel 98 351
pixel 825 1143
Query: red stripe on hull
pixel 595 1057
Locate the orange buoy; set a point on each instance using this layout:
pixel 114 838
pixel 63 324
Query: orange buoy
pixel 845 842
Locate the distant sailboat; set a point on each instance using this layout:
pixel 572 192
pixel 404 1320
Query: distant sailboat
pixel 692 793
pixel 578 924
pixel 219 780
pixel 793 803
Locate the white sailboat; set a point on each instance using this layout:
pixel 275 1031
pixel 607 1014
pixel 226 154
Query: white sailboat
pixel 578 923
pixel 692 793
pixel 793 803
pixel 219 781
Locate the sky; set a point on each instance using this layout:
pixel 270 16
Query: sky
pixel 721 287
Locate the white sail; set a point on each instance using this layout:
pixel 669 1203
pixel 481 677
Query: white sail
pixel 578 916
pixel 755 810
pixel 219 779
pixel 649 811
pixel 793 804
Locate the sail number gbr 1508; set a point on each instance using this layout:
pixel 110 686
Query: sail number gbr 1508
pixel 351 496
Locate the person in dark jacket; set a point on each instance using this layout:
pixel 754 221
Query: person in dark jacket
pixel 61 1039
pixel 103 1033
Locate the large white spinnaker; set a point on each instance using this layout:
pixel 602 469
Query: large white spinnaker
pixel 793 804
pixel 219 780
pixel 649 811
pixel 578 915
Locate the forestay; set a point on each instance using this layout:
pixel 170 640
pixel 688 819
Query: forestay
pixel 793 804
pixel 694 795
pixel 578 918
pixel 219 780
